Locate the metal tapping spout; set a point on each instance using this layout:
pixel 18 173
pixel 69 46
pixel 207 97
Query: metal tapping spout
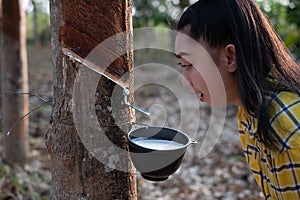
pixel 126 92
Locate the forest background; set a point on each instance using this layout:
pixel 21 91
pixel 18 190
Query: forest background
pixel 33 180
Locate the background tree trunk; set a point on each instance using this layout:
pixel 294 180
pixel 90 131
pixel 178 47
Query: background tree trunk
pixel 76 174
pixel 14 79
pixel 36 36
pixel 1 37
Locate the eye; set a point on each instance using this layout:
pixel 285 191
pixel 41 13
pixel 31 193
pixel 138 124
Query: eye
pixel 185 66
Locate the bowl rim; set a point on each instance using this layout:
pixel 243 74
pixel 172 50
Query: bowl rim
pixel 190 141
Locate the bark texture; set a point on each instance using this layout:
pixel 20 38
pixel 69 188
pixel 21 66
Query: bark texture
pixel 14 78
pixel 80 25
pixel 1 37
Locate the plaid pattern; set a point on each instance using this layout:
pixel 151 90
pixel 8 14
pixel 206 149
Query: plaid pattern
pixel 277 173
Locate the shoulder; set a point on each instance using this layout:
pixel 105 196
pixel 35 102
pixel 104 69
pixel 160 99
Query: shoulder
pixel 284 104
pixel 284 113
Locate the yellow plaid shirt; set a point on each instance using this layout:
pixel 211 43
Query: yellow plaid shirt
pixel 277 173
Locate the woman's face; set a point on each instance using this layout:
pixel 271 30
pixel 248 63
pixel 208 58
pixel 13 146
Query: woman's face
pixel 213 79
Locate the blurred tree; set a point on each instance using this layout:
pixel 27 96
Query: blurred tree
pixel 182 4
pixel 36 37
pixel 38 24
pixel 76 173
pixel 285 16
pixel 293 18
pixel 14 79
pixel 150 13
pixel 1 23
pixel 294 12
pixel 157 12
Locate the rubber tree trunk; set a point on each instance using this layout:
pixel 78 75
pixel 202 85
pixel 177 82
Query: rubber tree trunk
pixel 14 78
pixel 76 174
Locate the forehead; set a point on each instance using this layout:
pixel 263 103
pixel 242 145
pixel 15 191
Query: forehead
pixel 183 43
pixel 186 47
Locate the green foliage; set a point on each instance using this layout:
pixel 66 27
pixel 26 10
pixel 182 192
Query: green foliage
pixel 293 12
pixel 43 28
pixel 16 183
pixel 157 12
pixel 285 17
pixel 43 24
pixel 149 13
pixel 293 18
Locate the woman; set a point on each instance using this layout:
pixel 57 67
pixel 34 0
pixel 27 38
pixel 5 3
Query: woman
pixel 258 75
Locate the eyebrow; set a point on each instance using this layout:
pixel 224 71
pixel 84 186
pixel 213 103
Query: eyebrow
pixel 180 54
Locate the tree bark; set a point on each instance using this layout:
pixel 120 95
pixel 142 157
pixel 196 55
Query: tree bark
pixel 14 79
pixel 76 174
pixel 1 38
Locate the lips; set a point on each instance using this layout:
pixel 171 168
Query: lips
pixel 201 97
pixel 199 94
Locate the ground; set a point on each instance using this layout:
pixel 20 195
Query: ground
pixel 222 174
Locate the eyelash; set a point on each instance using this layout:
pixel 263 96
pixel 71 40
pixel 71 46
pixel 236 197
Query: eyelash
pixel 186 66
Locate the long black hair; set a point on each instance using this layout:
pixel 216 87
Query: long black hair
pixel 258 51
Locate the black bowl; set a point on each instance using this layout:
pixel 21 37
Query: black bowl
pixel 157 152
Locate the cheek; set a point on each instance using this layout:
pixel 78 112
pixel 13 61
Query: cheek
pixel 198 82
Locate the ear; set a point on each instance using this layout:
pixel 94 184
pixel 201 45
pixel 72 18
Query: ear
pixel 230 58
